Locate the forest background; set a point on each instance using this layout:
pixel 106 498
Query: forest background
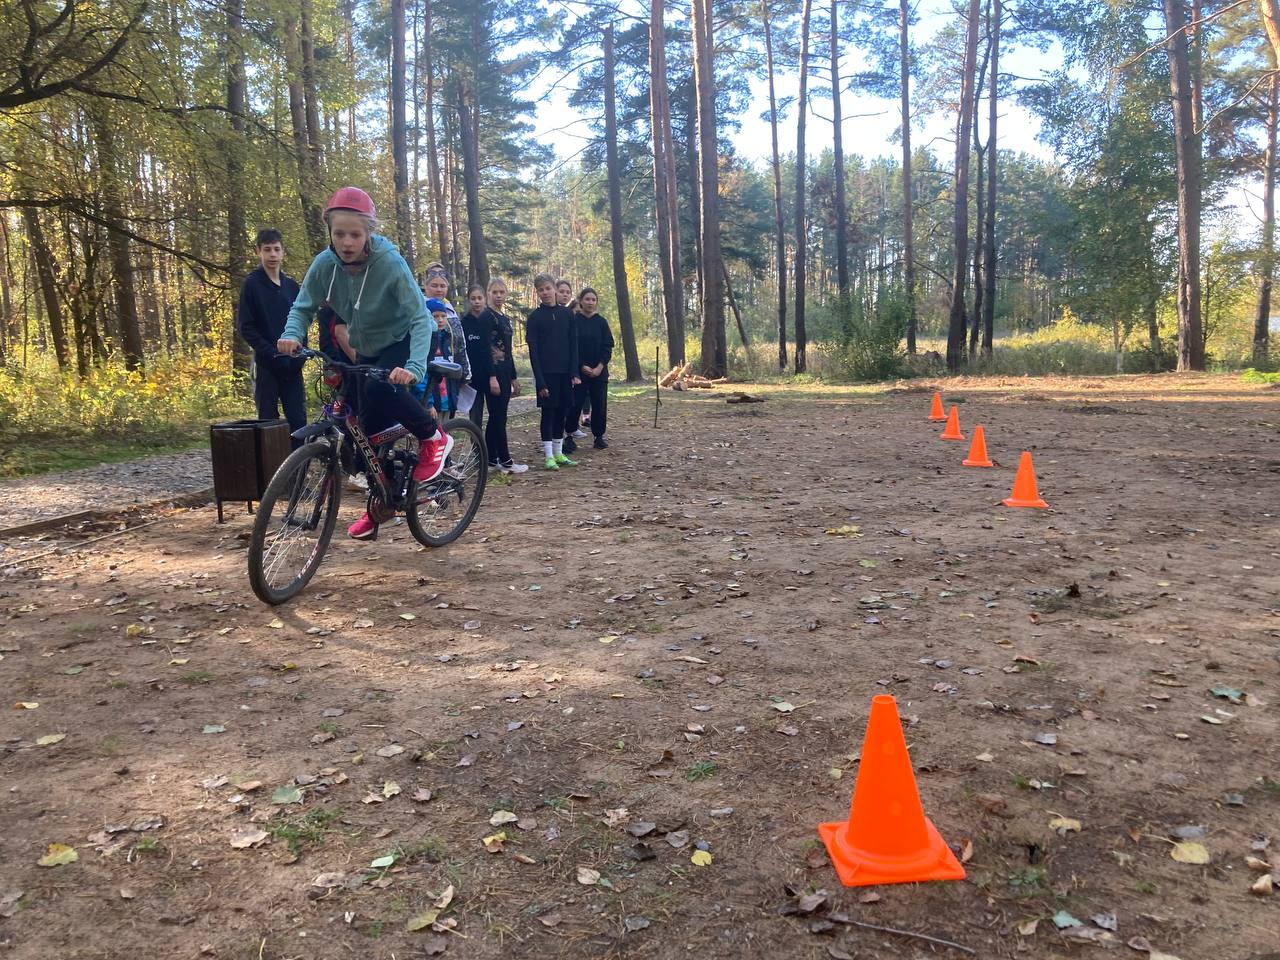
pixel 143 142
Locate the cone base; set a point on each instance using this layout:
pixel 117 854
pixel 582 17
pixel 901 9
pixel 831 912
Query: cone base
pixel 958 436
pixel 940 419
pixel 860 868
pixel 977 463
pixel 1014 502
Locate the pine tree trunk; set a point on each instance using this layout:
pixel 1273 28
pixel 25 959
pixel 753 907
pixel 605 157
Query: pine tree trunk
pixel 478 271
pixel 43 260
pixel 1187 147
pixel 780 228
pixel 400 132
pixel 310 90
pixel 1270 11
pixel 993 164
pixel 621 290
pixel 116 214
pixel 802 109
pixel 714 360
pixel 841 204
pixel 433 154
pixel 307 186
pixel 237 238
pixel 960 273
pixel 1267 256
pixel 908 205
pixel 666 212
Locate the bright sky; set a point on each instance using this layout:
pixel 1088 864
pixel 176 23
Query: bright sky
pixel 870 123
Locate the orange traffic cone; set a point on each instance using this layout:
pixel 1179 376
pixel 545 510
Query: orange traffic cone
pixel 887 838
pixel 936 412
pixel 978 450
pixel 952 432
pixel 1025 493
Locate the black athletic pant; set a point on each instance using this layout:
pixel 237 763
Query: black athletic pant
pixel 495 431
pixel 477 408
pixel 592 391
pixel 555 405
pixel 382 404
pixel 280 387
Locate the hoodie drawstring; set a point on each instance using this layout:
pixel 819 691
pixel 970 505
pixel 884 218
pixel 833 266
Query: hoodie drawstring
pixel 363 281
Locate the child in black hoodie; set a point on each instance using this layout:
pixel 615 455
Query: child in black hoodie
pixel 595 349
pixel 553 353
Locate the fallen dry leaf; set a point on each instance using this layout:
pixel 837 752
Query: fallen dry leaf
pixel 251 837
pixel 588 877
pixel 58 855
pixel 1190 852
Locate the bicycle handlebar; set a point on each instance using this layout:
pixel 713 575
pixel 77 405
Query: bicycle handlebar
pixel 444 368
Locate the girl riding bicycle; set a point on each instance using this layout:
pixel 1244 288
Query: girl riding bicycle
pixel 362 276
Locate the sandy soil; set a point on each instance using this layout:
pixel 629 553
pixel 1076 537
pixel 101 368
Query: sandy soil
pixel 603 656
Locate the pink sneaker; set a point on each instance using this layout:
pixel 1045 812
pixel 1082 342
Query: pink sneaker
pixel 431 456
pixel 363 529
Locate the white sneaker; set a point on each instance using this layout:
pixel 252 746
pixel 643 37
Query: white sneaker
pixel 512 467
pixel 358 481
pixel 578 433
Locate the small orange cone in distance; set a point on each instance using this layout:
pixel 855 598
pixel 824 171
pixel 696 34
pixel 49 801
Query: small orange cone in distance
pixel 887 838
pixel 978 450
pixel 1025 493
pixel 952 432
pixel 936 412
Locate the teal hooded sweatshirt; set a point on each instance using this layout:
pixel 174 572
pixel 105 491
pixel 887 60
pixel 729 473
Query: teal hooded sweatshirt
pixel 381 303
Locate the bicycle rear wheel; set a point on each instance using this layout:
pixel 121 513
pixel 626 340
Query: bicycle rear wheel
pixel 294 523
pixel 440 510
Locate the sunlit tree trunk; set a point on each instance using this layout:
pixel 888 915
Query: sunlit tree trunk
pixel 908 204
pixel 1266 258
pixel 621 290
pixel 780 228
pixel 399 132
pixel 960 273
pixel 714 360
pixel 802 108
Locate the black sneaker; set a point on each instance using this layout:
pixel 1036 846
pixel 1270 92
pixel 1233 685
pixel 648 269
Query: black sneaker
pixel 569 445
pixel 601 443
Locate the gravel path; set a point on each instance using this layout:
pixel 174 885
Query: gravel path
pixel 120 485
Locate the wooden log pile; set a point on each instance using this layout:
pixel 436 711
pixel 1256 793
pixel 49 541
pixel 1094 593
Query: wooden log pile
pixel 682 377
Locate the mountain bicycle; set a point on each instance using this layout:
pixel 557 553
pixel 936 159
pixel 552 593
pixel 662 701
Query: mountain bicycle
pixel 299 508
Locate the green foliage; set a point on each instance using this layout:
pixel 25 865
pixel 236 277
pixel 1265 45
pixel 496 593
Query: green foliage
pixel 304 829
pixel 112 401
pixel 869 343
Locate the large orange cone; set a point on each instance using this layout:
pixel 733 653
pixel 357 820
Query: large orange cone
pixel 887 838
pixel 936 412
pixel 1025 493
pixel 978 450
pixel 952 432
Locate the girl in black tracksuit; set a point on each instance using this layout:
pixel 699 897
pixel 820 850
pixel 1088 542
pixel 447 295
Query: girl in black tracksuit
pixel 553 353
pixel 493 370
pixel 595 349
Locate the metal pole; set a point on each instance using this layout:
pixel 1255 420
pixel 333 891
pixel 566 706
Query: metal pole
pixel 657 388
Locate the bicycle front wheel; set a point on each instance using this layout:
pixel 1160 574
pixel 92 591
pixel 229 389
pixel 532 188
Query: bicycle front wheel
pixel 440 510
pixel 294 523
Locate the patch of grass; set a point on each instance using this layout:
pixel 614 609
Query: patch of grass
pixel 329 726
pixel 1028 879
pixel 430 849
pixel 1259 376
pixel 624 537
pixel 498 479
pixel 304 829
pixel 111 746
pixel 1271 787
pixel 1021 782
pixel 556 803
pixel 57 454
pixel 700 771
pixel 147 845
pixel 198 676
pixel 1146 886
pixel 374 930
pixel 118 684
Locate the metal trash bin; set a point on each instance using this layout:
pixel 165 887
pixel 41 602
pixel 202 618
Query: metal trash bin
pixel 246 454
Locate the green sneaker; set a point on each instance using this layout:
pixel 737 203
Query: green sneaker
pixel 564 461
pixel 551 464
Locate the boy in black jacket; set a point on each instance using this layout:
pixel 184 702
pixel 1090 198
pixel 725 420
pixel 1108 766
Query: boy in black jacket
pixel 595 349
pixel 553 353
pixel 265 300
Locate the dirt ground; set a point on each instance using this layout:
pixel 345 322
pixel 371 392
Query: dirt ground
pixel 602 660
